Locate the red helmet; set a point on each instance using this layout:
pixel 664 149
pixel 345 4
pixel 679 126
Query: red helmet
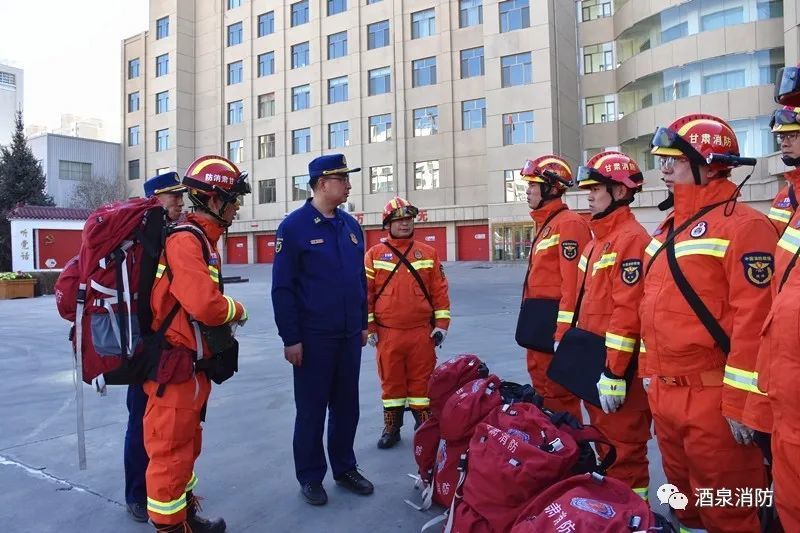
pixel 786 119
pixel 787 86
pixel 696 137
pixel 550 170
pixel 398 208
pixel 214 175
pixel 607 168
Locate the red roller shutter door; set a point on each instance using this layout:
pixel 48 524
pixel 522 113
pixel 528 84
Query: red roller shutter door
pixel 374 236
pixel 473 243
pixel 433 236
pixel 56 246
pixel 236 250
pixel 265 248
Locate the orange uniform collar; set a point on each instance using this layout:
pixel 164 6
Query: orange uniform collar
pixel 689 199
pixel 603 226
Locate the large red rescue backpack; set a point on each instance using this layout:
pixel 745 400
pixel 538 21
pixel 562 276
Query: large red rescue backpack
pixel 450 376
pixel 589 502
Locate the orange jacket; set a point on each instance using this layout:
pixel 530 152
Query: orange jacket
pixel 728 261
pixel 402 303
pixel 781 209
pixel 613 286
pixel 184 277
pixel 553 261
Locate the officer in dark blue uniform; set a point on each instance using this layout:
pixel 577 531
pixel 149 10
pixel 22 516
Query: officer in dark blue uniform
pixel 169 190
pixel 320 303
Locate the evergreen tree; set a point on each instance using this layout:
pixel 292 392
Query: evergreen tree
pixel 22 181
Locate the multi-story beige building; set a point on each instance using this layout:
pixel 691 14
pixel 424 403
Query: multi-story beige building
pixel 441 101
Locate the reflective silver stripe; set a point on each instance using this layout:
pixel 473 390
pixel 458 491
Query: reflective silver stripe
pixel 582 263
pixel 441 313
pixel 371 317
pixel 167 508
pixel 231 309
pixel 654 245
pixel 383 265
pixel 712 247
pixel 396 402
pixel 420 402
pixel 618 342
pixel 565 317
pixel 423 263
pixel 790 240
pixel 605 261
pixel 781 215
pixel 740 379
pixel 544 244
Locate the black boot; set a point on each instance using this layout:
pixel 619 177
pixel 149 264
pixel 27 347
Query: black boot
pixel 392 422
pixel 420 416
pixel 183 527
pixel 197 523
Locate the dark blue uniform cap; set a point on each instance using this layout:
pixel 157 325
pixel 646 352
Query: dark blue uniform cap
pixel 325 165
pixel 169 182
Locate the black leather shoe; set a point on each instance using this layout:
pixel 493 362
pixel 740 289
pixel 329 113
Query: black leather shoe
pixel 355 482
pixel 314 493
pixel 138 512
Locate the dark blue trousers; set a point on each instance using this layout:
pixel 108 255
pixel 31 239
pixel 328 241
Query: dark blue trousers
pixel 135 455
pixel 327 381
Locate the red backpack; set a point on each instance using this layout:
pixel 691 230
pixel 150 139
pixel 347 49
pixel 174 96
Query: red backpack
pixel 451 375
pixel 589 502
pixel 426 445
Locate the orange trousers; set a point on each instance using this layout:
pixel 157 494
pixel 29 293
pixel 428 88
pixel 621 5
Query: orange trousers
pixel 698 452
pixel 173 438
pixel 406 358
pixel 556 397
pixel 786 475
pixel 629 431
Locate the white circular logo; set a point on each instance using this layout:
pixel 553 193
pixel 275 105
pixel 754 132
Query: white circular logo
pixel 699 230
pixel 50 263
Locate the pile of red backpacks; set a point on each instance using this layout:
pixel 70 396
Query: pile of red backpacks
pixel 499 462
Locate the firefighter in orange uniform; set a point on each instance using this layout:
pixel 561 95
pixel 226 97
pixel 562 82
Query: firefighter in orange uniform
pixel 611 282
pixel 717 253
pixel 552 267
pixel 409 314
pixel 188 301
pixel 778 365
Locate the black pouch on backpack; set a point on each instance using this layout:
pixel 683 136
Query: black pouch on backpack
pixel 536 324
pixel 224 362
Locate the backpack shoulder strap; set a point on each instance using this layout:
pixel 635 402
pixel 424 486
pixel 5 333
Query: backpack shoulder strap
pixel 396 267
pixel 205 245
pixel 413 271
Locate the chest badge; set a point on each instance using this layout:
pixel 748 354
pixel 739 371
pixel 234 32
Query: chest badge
pixel 354 238
pixel 317 241
pixel 213 259
pixel 387 256
pixel 699 230
pixel 418 255
pixel 545 233
pixel 317 220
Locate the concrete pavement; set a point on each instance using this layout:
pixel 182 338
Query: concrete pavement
pixel 246 470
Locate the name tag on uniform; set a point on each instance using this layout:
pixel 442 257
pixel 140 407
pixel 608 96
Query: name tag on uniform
pixel 317 241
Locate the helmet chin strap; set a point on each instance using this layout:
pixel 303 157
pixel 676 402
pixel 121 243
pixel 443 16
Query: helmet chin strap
pixel 613 206
pixel 545 189
pixel 199 205
pixel 790 161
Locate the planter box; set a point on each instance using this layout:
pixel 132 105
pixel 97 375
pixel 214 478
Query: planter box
pixel 16 288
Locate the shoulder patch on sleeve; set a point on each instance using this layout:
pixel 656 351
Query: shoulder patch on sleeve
pixel 569 249
pixel 631 271
pixel 278 245
pixel 758 268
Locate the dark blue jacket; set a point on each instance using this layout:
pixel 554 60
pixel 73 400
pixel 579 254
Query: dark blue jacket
pixel 319 285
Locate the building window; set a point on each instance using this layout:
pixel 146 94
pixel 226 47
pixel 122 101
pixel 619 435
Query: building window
pixel 301 141
pixel 514 15
pixel 380 128
pixel 381 179
pixel 162 170
pixel 234 3
pixel 266 191
pixel 370 2
pixel 380 81
pixel 336 6
pixel 426 121
pixel 722 18
pixel 470 13
pixel 769 9
pixel 471 62
pixel 423 72
pixel 598 58
pixel 338 134
pixel 337 45
pixel 724 81
pixel 337 90
pixel 266 24
pixel 236 151
pixel 675 32
pixel 473 114
pixel 300 55
pixel 74 170
pixel 594 9
pixel 266 105
pixel 133 136
pixel 162 140
pixel 266 64
pixel 518 128
pixel 235 34
pixel 133 102
pixel 378 35
pixel 7 79
pixel 162 65
pixel 266 146
pixel 133 169
pixel 300 188
pixel 516 189
pixel 235 112
pixel 599 109
pixel 516 70
pixel 426 175
pixel 162 102
pixel 235 72
pixel 162 28
pixel 133 68
pixel 301 97
pixel 299 13
pixel 423 23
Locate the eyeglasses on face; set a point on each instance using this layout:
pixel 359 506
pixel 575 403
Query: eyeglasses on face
pixel 668 163
pixel 790 136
